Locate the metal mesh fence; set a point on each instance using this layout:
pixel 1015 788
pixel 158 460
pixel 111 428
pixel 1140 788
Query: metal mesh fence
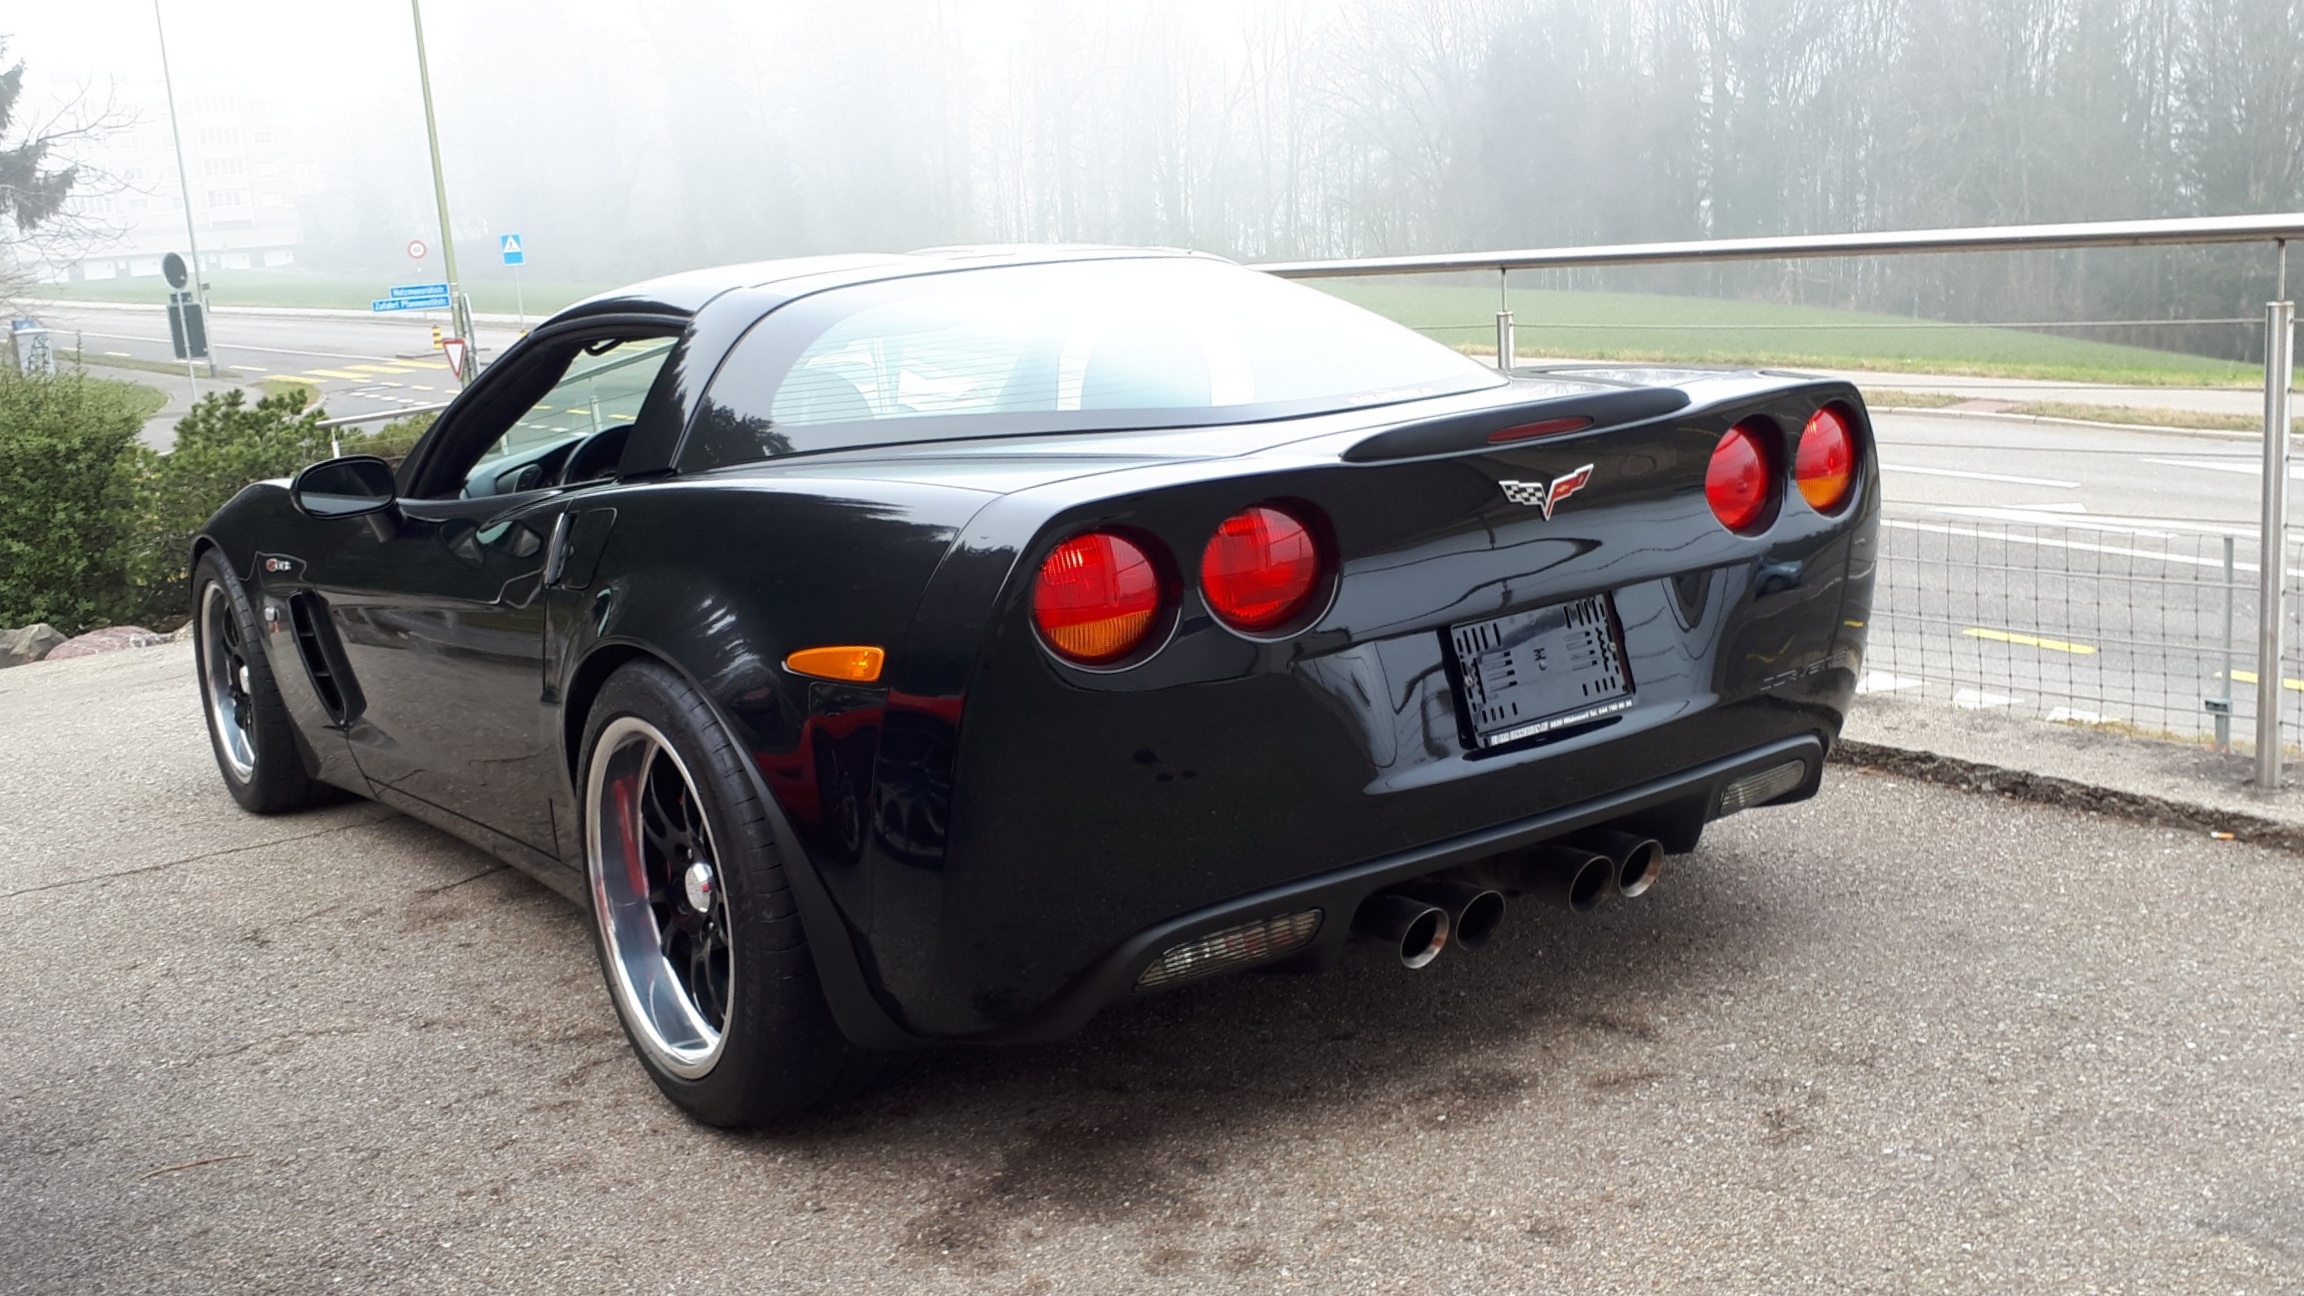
pixel 2143 630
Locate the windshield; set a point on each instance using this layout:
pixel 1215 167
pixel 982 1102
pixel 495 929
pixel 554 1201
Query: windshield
pixel 1078 346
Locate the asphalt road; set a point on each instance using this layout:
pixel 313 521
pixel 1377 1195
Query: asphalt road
pixel 359 366
pixel 1899 1039
pixel 2072 573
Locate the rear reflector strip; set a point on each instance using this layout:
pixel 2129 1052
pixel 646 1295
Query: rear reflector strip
pixel 1760 788
pixel 1256 942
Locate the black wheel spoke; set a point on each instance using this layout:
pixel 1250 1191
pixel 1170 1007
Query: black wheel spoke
pixel 662 838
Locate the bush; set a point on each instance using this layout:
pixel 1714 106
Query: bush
pixel 64 513
pixel 392 441
pixel 96 528
pixel 221 446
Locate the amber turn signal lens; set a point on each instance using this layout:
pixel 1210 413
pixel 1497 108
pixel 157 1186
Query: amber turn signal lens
pixel 855 665
pixel 1826 463
pixel 1096 599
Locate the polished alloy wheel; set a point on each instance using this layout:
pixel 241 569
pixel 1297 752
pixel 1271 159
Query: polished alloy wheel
pixel 659 897
pixel 225 680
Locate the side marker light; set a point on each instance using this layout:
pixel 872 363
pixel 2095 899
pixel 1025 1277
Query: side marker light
pixel 849 663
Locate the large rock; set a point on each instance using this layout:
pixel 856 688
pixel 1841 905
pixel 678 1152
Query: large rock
pixel 109 639
pixel 28 645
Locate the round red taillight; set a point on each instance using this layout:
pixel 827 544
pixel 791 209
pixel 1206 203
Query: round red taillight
pixel 1736 482
pixel 1259 569
pixel 1096 599
pixel 1826 462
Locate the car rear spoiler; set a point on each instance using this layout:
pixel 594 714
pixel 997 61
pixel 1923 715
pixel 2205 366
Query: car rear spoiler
pixel 1489 428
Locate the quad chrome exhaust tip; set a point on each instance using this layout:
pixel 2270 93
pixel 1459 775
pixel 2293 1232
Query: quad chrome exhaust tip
pixel 1417 929
pixel 1474 912
pixel 1637 861
pixel 1567 875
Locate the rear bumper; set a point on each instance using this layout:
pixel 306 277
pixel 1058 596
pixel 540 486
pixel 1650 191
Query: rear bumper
pixel 1692 796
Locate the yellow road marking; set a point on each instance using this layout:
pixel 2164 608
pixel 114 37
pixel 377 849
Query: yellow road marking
pixel 2028 641
pixel 375 368
pixel 422 364
pixel 338 373
pixel 2249 677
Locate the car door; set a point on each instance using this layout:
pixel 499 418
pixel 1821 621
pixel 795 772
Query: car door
pixel 439 613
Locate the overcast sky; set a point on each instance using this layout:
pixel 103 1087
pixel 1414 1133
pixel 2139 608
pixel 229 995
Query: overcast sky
pixel 548 106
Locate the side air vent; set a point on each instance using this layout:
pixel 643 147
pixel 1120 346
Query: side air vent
pixel 1496 428
pixel 323 656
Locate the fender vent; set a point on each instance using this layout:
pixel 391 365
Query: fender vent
pixel 323 658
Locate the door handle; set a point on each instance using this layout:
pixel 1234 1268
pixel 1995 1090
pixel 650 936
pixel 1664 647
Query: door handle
pixel 578 539
pixel 556 553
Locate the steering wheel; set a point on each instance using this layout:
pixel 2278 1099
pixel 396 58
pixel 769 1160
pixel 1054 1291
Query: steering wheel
pixel 596 456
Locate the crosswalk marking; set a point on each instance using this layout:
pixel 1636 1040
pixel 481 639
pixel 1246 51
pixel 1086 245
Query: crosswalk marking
pixel 383 369
pixel 338 373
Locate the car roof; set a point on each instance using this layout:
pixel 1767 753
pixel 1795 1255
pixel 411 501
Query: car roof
pixel 686 292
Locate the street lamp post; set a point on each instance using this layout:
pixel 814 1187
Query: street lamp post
pixel 459 310
pixel 184 184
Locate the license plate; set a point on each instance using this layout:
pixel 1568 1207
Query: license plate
pixel 1535 672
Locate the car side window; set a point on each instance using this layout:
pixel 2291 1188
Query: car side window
pixel 575 431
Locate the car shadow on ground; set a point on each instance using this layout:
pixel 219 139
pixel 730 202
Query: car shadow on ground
pixel 1156 1102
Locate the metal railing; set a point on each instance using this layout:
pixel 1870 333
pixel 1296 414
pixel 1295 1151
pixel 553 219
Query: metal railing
pixel 2272 557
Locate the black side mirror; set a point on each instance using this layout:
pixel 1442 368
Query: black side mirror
pixel 353 486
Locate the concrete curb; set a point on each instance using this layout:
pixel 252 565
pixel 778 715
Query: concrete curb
pixel 2048 789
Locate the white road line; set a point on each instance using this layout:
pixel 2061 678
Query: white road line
pixel 2048 482
pixel 2241 467
pixel 2158 528
pixel 2009 537
pixel 1883 682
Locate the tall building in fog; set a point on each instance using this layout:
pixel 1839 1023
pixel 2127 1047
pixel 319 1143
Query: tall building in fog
pixel 244 187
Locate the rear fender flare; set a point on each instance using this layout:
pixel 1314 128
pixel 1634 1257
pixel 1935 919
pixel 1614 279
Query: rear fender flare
pixel 856 1008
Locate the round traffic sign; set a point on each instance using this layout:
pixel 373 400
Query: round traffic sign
pixel 417 249
pixel 172 269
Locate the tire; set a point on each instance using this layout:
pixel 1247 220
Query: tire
pixel 704 955
pixel 248 724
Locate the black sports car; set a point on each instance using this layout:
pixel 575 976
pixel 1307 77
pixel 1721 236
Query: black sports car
pixel 900 649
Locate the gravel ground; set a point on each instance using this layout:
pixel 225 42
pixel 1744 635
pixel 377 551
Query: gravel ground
pixel 1898 1039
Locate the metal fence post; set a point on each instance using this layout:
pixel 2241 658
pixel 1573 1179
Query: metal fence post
pixel 2271 607
pixel 1506 348
pixel 2224 714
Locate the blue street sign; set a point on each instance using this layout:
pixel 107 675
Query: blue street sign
pixel 409 303
pixel 509 245
pixel 419 290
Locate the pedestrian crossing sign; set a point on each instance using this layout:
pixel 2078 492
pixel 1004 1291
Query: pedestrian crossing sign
pixel 509 245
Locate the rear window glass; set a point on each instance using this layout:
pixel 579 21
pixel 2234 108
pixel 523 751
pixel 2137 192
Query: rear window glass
pixel 1078 346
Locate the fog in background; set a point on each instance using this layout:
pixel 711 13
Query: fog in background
pixel 629 138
